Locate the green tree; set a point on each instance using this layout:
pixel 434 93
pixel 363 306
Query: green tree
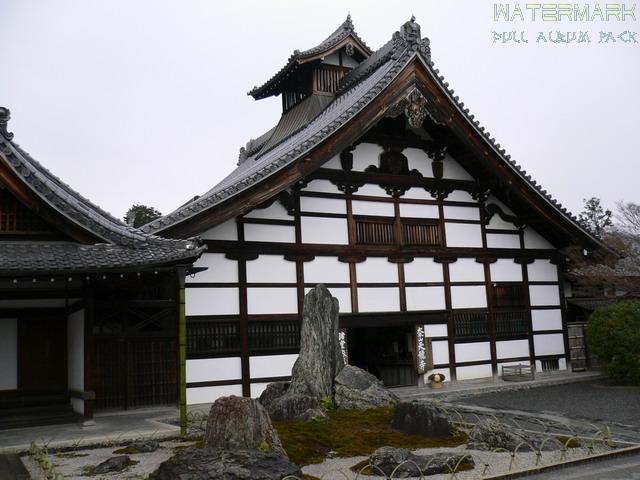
pixel 613 335
pixel 139 215
pixel 595 218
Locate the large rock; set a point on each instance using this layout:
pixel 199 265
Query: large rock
pixel 489 434
pixel 357 389
pixel 241 423
pixel 113 464
pixel 418 418
pixel 295 406
pixel 404 464
pixel 208 464
pixel 273 392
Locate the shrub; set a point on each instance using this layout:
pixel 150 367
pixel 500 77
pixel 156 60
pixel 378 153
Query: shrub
pixel 613 335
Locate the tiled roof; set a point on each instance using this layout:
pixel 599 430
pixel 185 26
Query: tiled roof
pixel 357 89
pixel 119 244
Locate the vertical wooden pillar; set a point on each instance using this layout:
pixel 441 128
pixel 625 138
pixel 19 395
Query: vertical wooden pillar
pixel 89 360
pixel 563 313
pixel 525 281
pixel 447 298
pixel 244 320
pixel 182 351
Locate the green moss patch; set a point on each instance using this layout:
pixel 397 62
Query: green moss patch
pixel 71 455
pixel 348 433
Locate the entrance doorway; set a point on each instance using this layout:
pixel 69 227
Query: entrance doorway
pixel 386 352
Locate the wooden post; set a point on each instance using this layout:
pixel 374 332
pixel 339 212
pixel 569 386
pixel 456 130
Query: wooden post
pixel 182 351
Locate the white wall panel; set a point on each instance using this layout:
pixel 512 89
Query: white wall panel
pixel 343 295
pixel 333 163
pixel 423 270
pixel 502 206
pixel 463 235
pixel 211 394
pixel 275 211
pixel 213 369
pixel 459 196
pixel 533 239
pixel 271 365
pixel 377 270
pixel 373 190
pixel 378 299
pixel 272 300
pixel 440 352
pixel 326 270
pixel 425 298
pixel 466 270
pixel 544 295
pixel 562 363
pixel 212 301
pixel 503 240
pixel 542 271
pixel 546 319
pixel 324 230
pixel 418 160
pixel 453 170
pixel 506 270
pixel 474 371
pixel 512 349
pixel 417 210
pixel 364 155
pixel 324 186
pixel 323 205
pixel 75 352
pixel 257 389
pixel 472 352
pixel 497 223
pixel 269 233
pixel 461 213
pixel 225 231
pixel 219 269
pixel 271 269
pixel 469 297
pixel 552 344
pixel 380 209
pixel 8 354
pixel 439 330
pixel 416 193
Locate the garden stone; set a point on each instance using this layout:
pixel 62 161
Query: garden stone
pixel 357 389
pixel 273 392
pixel 419 418
pixel 144 446
pixel 113 464
pixel 216 464
pixel 295 406
pixel 241 423
pixel 488 434
pixel 404 464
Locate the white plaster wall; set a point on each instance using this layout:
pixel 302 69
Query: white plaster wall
pixel 544 295
pixel 463 235
pixel 472 352
pixel 436 330
pixel 8 354
pixel 459 196
pixel 469 296
pixel 373 190
pixel 324 186
pixel 257 389
pixel 213 369
pixel 461 213
pixel 533 239
pixel 512 349
pixel 474 371
pixel 417 210
pixel 546 319
pixel 326 270
pixel 332 59
pixel 377 270
pixel 364 155
pixel 440 352
pixel 275 211
pixel 418 160
pixel 323 205
pixel 502 206
pixel 343 295
pixel 552 344
pixel 378 299
pixel 416 193
pixel 269 233
pixel 423 269
pixel 466 270
pixel 271 269
pixel 211 394
pixel 75 357
pixel 497 223
pixel 379 209
pixel 212 301
pixel 506 270
pixel 425 298
pixel 453 170
pixel 272 300
pixel 503 240
pixel 542 271
pixel 219 269
pixel 324 230
pixel 225 231
pixel 334 163
pixel 562 363
pixel 271 365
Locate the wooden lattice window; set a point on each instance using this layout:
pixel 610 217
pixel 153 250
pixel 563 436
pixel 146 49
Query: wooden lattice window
pixel 511 323
pixel 471 324
pixel 15 217
pixel 509 295
pixel 212 337
pixel 375 231
pixel 268 336
pixel 421 233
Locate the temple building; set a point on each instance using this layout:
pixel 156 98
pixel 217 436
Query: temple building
pixel 89 307
pixel 376 180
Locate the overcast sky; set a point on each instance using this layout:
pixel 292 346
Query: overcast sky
pixel 145 101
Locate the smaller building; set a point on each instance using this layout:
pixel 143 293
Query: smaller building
pixel 89 307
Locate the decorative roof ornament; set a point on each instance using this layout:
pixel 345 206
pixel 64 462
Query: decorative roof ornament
pixel 5 116
pixel 416 109
pixel 242 156
pixel 349 49
pixel 410 33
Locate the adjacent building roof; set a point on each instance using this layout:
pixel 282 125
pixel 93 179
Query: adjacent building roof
pixel 116 245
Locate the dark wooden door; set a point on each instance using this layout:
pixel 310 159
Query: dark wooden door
pixel 42 353
pixel 577 346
